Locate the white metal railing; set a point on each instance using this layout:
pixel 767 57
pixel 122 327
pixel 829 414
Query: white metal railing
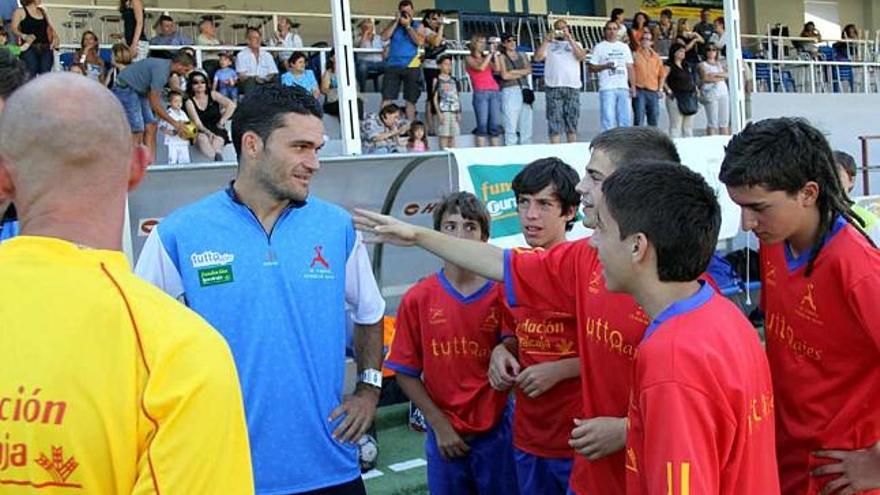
pixel 93 12
pixel 824 76
pixel 864 48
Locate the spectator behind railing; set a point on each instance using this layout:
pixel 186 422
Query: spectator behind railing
pixel 562 57
pixel 285 37
pixel 613 61
pixel 226 79
pixel 209 111
pixel 367 62
pixel 715 96
pixel 167 34
pixel 134 27
pixel 122 58
pixel 208 37
pixel 381 133
pixel 418 138
pixel 664 32
pixel 139 89
pixel 175 136
pixel 617 18
pixel 679 87
pixel 516 111
pixel 639 26
pixel 298 75
pixel 89 57
pixel 690 40
pixel 649 79
pixel 486 96
pixel 718 38
pixel 31 23
pixel 255 65
pixel 846 49
pixel 405 36
pixel 448 103
pixel 435 45
pixel 705 28
pixel 809 47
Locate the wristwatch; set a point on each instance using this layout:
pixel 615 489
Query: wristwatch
pixel 371 377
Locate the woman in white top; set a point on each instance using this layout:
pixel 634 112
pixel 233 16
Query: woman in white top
pixel 718 38
pixel 286 37
pixel 715 97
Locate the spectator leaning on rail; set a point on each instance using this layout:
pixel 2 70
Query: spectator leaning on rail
pixel 167 34
pixel 562 56
pixel 402 64
pixel 613 61
pixel 139 88
pixel 255 65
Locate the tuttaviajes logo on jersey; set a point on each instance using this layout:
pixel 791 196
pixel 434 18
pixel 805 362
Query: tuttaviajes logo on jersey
pixel 319 267
pixel 213 268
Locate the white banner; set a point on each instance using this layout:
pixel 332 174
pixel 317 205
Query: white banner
pixel 488 173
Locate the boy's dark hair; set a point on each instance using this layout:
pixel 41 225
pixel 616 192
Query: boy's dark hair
pixel 783 154
pixel 666 12
pixel 845 161
pixel 254 29
pixel 295 56
pixel 263 110
pixel 404 3
pixel 173 93
pixel 183 58
pixel 164 18
pixel 627 144
pixel 468 206
pixel 616 12
pixel 443 58
pixel 12 73
pixel 673 207
pixel 226 55
pixel 550 171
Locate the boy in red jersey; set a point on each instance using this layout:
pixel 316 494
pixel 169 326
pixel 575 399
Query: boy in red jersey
pixel 568 279
pixel 538 354
pixel 447 325
pixel 701 407
pixel 820 289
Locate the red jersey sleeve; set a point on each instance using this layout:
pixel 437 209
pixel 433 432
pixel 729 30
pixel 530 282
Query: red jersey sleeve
pixel 863 300
pixel 405 355
pixel 508 321
pixel 681 428
pixel 544 279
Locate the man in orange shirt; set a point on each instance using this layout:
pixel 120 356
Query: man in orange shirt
pixel 649 82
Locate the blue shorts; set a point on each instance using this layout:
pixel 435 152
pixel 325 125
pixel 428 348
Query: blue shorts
pixel 136 106
pixel 542 475
pixel 488 469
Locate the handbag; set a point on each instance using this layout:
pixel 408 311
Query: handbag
pixel 687 101
pixel 528 95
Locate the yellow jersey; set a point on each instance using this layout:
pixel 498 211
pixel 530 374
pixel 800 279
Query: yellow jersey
pixel 108 385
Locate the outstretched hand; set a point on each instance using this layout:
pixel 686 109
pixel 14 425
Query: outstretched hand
pixel 384 228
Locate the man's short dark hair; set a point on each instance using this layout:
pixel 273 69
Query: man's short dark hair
pixel 183 58
pixel 616 12
pixel 468 206
pixel 783 154
pixel 12 73
pixel 254 29
pixel 295 56
pixel 263 110
pixel 164 18
pixel 388 109
pixel 845 161
pixel 666 12
pixel 673 207
pixel 404 3
pixel 624 145
pixel 544 172
pixel 443 58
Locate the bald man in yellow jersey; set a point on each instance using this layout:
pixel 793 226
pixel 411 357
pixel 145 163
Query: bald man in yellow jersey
pixel 107 385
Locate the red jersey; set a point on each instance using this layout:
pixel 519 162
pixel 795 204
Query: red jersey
pixel 701 412
pixel 568 278
pixel 823 336
pixel 542 426
pixel 447 339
